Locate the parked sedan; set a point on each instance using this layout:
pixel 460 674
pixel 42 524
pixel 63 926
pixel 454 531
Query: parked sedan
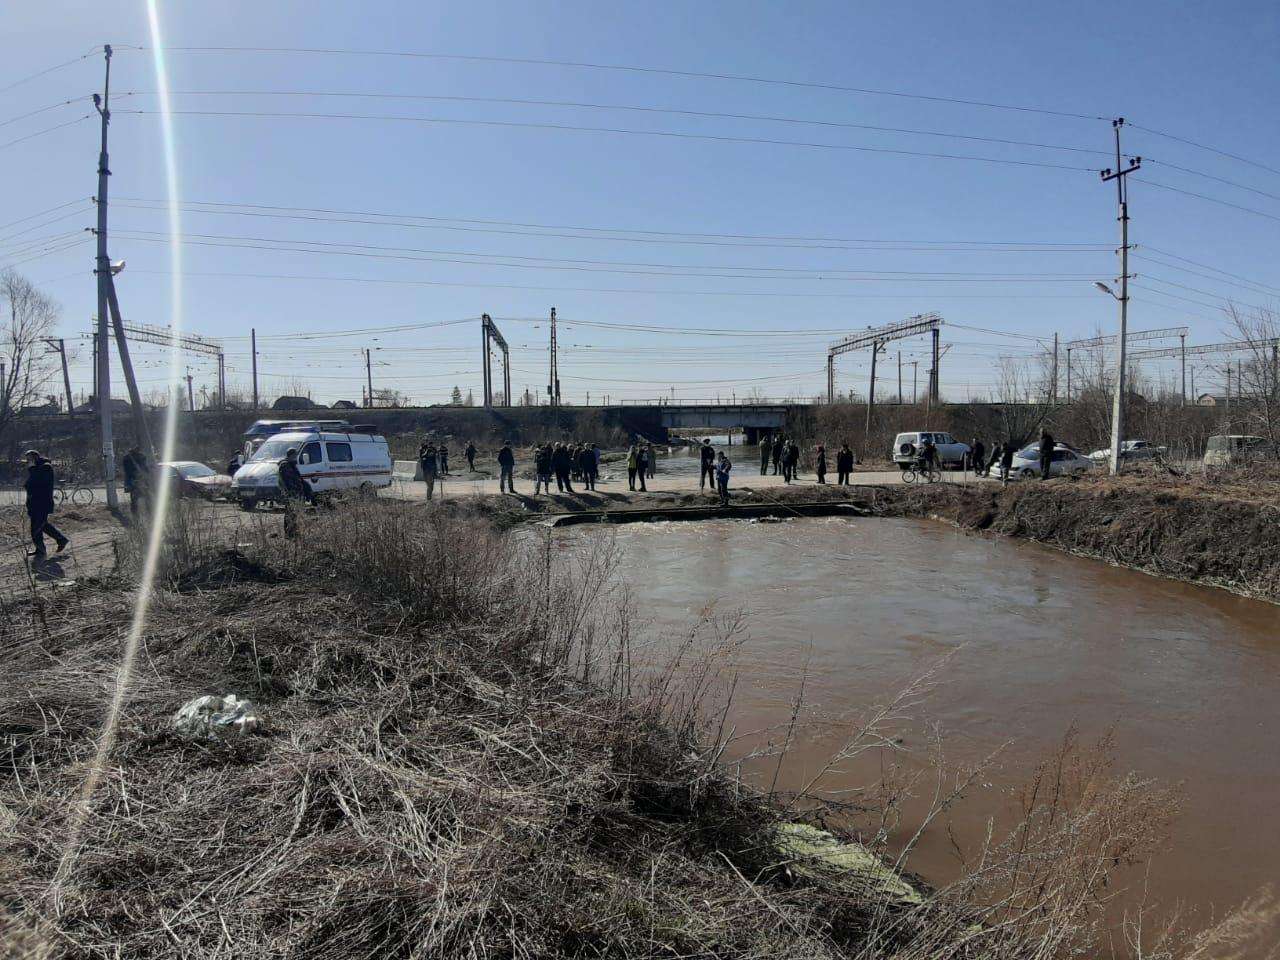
pixel 1130 450
pixel 195 479
pixel 1026 462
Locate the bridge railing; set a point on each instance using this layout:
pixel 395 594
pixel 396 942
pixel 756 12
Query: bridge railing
pixel 717 402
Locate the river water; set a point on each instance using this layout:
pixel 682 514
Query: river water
pixel 1034 641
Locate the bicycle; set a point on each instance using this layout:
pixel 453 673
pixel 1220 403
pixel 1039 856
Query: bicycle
pixel 78 493
pixel 918 470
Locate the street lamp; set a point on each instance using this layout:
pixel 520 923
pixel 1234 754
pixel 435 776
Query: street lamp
pixel 1104 288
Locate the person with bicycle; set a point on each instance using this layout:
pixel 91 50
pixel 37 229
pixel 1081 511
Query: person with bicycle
pixel 137 478
pixel 40 484
pixel 929 456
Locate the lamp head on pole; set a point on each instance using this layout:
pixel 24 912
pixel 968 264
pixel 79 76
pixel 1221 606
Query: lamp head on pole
pixel 1104 288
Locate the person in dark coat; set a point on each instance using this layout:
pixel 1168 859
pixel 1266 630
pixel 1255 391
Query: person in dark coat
pixel 542 469
pixel 1006 462
pixel 137 479
pixel 651 460
pixel 996 453
pixel 1046 453
pixel 444 460
pixel 844 465
pixel 506 468
pixel 765 448
pixel 562 464
pixel 821 465
pixel 778 446
pixel 790 461
pixel 707 465
pixel 470 453
pixel 587 466
pixel 642 465
pixel 294 489
pixel 41 481
pixel 723 466
pixel 234 464
pixel 977 456
pixel 430 467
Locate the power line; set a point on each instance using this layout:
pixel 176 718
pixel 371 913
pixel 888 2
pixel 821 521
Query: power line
pixel 619 290
pixel 1206 266
pixel 48 70
pixel 650 236
pixel 740 78
pixel 1201 196
pixel 1201 146
pixel 1252 287
pixel 671 111
pixel 33 216
pixel 591 266
pixel 35 113
pixel 41 133
pixel 1206 293
pixel 529 125
pixel 1210 176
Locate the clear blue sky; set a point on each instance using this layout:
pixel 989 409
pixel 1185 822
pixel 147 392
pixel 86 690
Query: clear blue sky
pixel 1204 72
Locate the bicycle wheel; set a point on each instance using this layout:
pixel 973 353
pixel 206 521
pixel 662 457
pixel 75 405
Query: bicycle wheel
pixel 59 495
pixel 82 496
pixel 909 475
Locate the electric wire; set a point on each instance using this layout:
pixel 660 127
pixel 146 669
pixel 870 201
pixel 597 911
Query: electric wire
pixel 48 70
pixel 578 128
pixel 1201 146
pixel 1201 196
pixel 41 133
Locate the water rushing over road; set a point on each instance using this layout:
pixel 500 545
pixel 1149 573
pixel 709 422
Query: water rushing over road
pixel 1188 676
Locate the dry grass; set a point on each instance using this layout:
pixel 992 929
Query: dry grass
pixel 463 756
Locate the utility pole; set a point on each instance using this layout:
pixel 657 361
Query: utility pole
pixel 1055 369
pixel 899 378
pixel 553 386
pixel 871 395
pixel 933 371
pixel 1120 175
pixel 253 350
pixel 831 377
pixel 1184 369
pixel 60 345
pixel 1068 374
pixel 222 381
pixel 140 430
pixel 915 381
pixel 368 373
pixel 103 272
pixel 191 396
pixel 94 336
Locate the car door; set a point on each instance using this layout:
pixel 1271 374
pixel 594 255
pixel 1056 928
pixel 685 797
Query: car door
pixel 311 465
pixel 341 464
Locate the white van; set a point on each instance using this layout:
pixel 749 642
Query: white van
pixel 1223 451
pixel 907 446
pixel 330 462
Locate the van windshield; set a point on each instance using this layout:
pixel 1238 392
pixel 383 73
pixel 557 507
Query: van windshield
pixel 272 450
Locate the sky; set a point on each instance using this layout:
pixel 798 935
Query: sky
pixel 687 255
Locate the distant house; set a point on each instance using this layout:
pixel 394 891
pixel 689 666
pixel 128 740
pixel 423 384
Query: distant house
pixel 41 410
pixel 1213 400
pixel 293 403
pixel 344 405
pixel 91 406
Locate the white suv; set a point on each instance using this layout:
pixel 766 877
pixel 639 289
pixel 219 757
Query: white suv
pixel 906 447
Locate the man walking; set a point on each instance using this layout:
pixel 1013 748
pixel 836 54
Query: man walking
pixel 1006 462
pixel 778 445
pixel 707 465
pixel 430 466
pixel 765 447
pixel 137 479
pixel 507 469
pixel 1046 454
pixel 723 466
pixel 633 467
pixel 793 455
pixel 821 465
pixel 542 468
pixel 562 463
pixel 40 484
pixel 444 460
pixel 587 466
pixel 294 489
pixel 470 452
pixel 844 465
pixel 642 465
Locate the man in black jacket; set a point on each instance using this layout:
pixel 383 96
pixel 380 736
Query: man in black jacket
pixel 765 448
pixel 844 465
pixel 778 445
pixel 587 466
pixel 977 453
pixel 137 479
pixel 1046 453
pixel 294 489
pixel 39 486
pixel 470 451
pixel 707 459
pixel 506 469
pixel 430 463
pixel 562 464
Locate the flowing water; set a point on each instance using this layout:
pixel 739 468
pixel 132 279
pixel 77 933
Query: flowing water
pixel 1034 640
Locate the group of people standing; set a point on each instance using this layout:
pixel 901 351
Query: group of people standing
pixel 434 461
pixel 784 454
pixel 567 462
pixel 642 462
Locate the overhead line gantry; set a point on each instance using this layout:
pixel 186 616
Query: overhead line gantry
pixel 876 338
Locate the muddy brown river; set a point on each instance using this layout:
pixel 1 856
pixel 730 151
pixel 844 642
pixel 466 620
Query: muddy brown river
pixel 1187 677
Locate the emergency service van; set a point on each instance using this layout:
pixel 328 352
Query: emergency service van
pixel 330 462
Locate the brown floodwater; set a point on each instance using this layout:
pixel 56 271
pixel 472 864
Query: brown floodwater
pixel 1034 641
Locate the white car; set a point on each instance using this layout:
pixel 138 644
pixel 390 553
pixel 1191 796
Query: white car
pixel 1130 450
pixel 329 463
pixel 906 447
pixel 1065 461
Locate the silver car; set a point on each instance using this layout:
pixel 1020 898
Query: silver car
pixel 1065 462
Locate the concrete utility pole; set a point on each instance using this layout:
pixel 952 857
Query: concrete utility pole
pixel 899 378
pixel 1184 369
pixel 191 396
pixel 915 381
pixel 103 273
pixel 1120 175
pixel 1055 369
pixel 871 394
pixel 368 373
pixel 253 350
pixel 1068 374
pixel 933 372
pixel 60 346
pixel 141 432
pixel 553 385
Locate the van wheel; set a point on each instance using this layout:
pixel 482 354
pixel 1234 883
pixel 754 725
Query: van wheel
pixel 1027 473
pixel 366 491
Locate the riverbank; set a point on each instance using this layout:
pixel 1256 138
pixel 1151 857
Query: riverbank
pixel 1223 534
pixel 464 751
